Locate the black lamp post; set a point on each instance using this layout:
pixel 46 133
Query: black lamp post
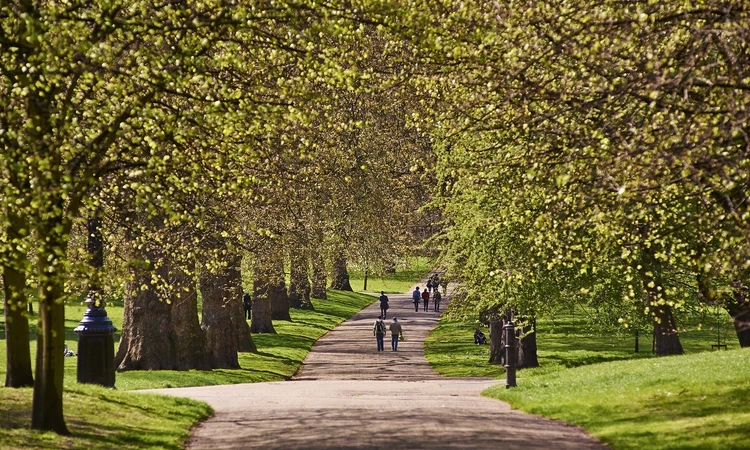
pixel 96 347
pixel 510 353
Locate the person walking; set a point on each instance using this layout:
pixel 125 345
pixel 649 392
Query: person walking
pixel 426 299
pixel 436 300
pixel 378 330
pixel 247 302
pixel 396 334
pixel 415 298
pixel 383 304
pixel 429 284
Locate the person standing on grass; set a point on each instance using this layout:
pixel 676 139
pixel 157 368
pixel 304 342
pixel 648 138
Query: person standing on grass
pixel 378 330
pixel 396 334
pixel 415 298
pixel 383 304
pixel 247 302
pixel 436 300
pixel 426 298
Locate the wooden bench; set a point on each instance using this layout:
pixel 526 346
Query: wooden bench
pixel 718 346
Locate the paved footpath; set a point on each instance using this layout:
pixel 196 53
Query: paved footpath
pixel 348 395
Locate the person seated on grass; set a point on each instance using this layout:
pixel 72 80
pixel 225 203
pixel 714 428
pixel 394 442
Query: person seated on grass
pixel 479 337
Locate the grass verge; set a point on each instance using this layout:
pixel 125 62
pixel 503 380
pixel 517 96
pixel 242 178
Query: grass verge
pixel 101 418
pixel 629 400
pixel 411 271
pixel 690 401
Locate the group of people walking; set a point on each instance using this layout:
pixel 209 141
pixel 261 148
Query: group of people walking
pixel 432 290
pixel 380 328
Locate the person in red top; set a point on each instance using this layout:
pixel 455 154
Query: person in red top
pixel 426 298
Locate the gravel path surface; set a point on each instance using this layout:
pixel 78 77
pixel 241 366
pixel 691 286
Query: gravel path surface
pixel 348 395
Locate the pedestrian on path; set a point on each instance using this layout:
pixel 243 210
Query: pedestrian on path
pixel 396 334
pixel 378 330
pixel 426 298
pixel 415 298
pixel 436 300
pixel 383 304
pixel 429 284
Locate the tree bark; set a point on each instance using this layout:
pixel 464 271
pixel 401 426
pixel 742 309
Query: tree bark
pixel 739 309
pixel 218 291
pixel 340 274
pixel 18 351
pixel 666 339
pixel 262 296
pixel 299 282
pixel 318 288
pixel 47 408
pixel 526 344
pixel 497 344
pixel 237 308
pixel 187 334
pixel 146 342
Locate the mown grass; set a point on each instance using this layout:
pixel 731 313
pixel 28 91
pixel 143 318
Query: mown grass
pixel 630 400
pixel 690 401
pixel 102 418
pixel 407 274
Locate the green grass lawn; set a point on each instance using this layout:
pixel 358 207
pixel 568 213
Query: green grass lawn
pixel 102 418
pixel 629 400
pixel 409 273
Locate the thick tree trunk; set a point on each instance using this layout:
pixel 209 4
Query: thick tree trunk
pixel 262 294
pixel 318 288
pixel 739 309
pixel 147 338
pixel 47 408
pixel 219 295
pixel 527 354
pixel 665 331
pixel 187 335
pixel 299 282
pixel 497 344
pixel 18 352
pixel 666 339
pixel 340 274
pixel 237 308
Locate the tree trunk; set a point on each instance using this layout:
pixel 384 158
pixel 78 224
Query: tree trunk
pixel 187 335
pixel 497 344
pixel 299 283
pixel 340 274
pixel 527 354
pixel 219 296
pixel 262 307
pixel 18 352
pixel 237 308
pixel 666 339
pixel 739 309
pixel 318 288
pixel 47 408
pixel 146 342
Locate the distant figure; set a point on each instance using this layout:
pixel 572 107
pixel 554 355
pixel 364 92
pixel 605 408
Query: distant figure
pixel 396 334
pixel 479 338
pixel 378 330
pixel 415 296
pixel 429 284
pixel 436 300
pixel 383 304
pixel 426 298
pixel 247 301
pixel 436 282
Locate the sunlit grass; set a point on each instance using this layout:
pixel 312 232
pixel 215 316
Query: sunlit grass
pixel 103 418
pixel 410 272
pixel 630 400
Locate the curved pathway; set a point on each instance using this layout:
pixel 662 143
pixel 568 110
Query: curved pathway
pixel 349 395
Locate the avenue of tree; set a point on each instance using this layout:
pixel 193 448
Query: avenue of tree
pixel 581 152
